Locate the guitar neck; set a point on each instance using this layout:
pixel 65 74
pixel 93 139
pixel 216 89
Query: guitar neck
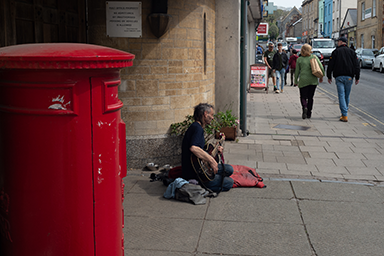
pixel 216 149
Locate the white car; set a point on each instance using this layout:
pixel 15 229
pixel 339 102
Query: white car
pixel 378 62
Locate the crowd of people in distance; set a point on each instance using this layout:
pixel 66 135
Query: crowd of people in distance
pixel 343 66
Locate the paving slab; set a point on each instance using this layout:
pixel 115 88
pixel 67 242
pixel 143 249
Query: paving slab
pixel 252 209
pixel 344 228
pixel 164 234
pixel 340 192
pixel 250 238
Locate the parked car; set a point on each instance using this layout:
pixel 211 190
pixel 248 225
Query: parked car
pixel 365 57
pixel 319 55
pixel 297 47
pixel 378 62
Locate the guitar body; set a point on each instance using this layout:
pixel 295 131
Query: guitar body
pixel 202 168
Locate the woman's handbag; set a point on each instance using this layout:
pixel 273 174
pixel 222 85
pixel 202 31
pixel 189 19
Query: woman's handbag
pixel 316 70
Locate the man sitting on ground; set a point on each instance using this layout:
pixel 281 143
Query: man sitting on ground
pixel 194 142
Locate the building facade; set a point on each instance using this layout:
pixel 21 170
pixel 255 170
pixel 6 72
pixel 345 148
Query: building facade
pixel 328 12
pixel 320 24
pixel 286 20
pixel 310 20
pixel 349 26
pixel 295 29
pixel 340 8
pixel 369 24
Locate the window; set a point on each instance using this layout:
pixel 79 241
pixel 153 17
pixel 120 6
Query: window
pixel 333 25
pixel 329 27
pixel 362 41
pixel 329 9
pixel 373 8
pixel 325 10
pixel 337 5
pixel 337 24
pixel 373 42
pixel 362 10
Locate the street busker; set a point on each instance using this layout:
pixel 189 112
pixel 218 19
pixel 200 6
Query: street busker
pixel 194 143
pixel 280 62
pixel 344 66
pixel 306 81
pixel 292 64
pixel 268 60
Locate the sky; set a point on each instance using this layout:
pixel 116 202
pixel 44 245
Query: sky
pixel 287 3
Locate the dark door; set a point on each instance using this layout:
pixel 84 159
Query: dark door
pixel 42 21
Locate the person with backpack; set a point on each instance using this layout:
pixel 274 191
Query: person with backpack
pixel 292 64
pixel 306 81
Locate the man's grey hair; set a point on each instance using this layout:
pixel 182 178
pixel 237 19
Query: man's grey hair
pixel 200 109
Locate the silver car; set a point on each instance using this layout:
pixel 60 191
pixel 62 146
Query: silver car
pixel 365 57
pixel 378 62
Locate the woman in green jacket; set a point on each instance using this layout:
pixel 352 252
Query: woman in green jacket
pixel 305 80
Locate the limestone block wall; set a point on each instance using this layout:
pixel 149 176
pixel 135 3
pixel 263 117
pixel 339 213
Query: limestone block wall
pixel 168 78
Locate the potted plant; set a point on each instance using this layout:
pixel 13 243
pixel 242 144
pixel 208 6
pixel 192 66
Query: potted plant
pixel 223 122
pixel 226 122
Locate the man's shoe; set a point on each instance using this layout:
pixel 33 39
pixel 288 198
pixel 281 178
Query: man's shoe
pixel 304 115
pixel 291 84
pixel 274 88
pixel 281 91
pixel 277 91
pixel 344 119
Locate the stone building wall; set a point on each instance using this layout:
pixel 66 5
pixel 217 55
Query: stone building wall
pixel 370 26
pixel 168 78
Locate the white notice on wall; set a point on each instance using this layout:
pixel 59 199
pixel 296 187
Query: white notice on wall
pixel 124 19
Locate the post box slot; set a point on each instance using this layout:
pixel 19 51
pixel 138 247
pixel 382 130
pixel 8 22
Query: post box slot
pixel 111 100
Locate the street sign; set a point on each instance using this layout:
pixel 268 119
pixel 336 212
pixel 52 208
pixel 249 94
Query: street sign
pixel 262 29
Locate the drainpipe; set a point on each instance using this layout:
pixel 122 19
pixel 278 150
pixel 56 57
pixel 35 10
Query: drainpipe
pixel 243 68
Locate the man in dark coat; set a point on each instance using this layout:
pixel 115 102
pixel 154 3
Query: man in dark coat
pixel 280 62
pixel 344 66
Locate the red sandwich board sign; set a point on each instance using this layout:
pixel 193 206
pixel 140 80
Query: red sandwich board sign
pixel 262 29
pixel 258 76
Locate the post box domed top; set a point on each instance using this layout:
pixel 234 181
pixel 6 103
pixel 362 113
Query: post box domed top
pixel 63 56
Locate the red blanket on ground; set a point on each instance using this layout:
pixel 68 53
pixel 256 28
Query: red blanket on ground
pixel 242 177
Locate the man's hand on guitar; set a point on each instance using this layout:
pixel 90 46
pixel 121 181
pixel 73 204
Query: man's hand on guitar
pixel 214 165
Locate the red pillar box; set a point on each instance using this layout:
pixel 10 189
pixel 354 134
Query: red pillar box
pixel 62 150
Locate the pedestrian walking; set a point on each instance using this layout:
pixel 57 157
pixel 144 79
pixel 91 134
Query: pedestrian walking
pixel 259 49
pixel 292 64
pixel 280 62
pixel 344 66
pixel 286 69
pixel 352 47
pixel 306 81
pixel 268 59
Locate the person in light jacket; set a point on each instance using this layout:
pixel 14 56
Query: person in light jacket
pixel 306 81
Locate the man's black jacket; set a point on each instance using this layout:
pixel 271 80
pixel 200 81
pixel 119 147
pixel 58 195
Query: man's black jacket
pixel 343 62
pixel 276 61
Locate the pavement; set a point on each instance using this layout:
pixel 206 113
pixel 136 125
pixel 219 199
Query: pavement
pixel 324 195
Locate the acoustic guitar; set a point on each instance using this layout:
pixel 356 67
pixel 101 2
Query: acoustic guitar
pixel 201 167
